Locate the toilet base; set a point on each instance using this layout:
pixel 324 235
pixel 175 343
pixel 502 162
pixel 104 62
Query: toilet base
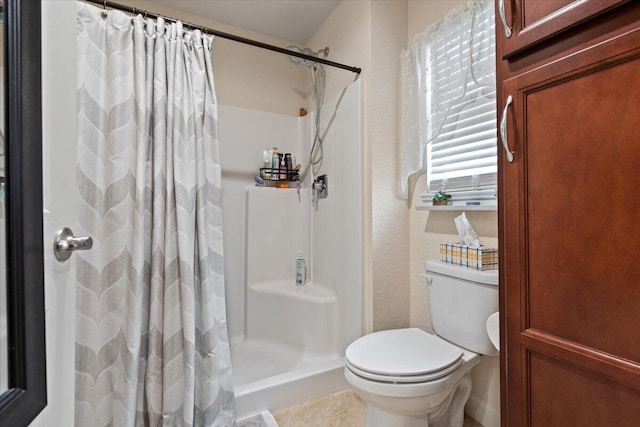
pixel 378 418
pixel 449 413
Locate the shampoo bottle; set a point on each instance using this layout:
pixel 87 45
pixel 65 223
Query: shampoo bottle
pixel 275 164
pixel 301 270
pixel 283 168
pixel 266 163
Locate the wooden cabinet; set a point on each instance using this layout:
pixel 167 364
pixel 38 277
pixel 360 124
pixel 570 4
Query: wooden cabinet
pixel 533 21
pixel 569 203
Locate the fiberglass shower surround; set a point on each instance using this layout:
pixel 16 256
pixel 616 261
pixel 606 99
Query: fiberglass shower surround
pixel 288 341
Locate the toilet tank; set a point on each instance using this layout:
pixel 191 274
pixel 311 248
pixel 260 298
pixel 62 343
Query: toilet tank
pixel 460 301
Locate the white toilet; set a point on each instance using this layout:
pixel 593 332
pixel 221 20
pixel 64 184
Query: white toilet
pixel 410 378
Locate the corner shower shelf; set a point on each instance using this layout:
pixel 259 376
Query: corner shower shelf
pixel 485 206
pixel 285 175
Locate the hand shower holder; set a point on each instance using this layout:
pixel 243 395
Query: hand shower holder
pixel 320 187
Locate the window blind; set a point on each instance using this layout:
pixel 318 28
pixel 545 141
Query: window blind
pixel 462 154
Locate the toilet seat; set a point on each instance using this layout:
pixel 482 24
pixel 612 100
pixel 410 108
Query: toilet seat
pixel 402 356
pixel 404 379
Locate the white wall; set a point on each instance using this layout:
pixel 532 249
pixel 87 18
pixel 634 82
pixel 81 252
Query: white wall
pixel 59 142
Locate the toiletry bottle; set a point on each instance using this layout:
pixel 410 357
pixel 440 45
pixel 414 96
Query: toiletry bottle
pixel 266 163
pixel 275 164
pixel 283 168
pixel 301 270
pixel 289 165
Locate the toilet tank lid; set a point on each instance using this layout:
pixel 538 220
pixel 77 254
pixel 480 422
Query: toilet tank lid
pixel 488 277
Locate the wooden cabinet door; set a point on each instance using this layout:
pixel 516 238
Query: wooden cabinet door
pixel 570 241
pixel 533 21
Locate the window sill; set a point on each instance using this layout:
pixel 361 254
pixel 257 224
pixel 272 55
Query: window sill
pixel 484 206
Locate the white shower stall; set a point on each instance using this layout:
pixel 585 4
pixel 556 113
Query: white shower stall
pixel 288 341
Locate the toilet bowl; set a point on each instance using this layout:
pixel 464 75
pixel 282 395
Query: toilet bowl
pixel 409 377
pixel 412 378
pixel 493 329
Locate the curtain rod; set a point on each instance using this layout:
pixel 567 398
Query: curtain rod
pixel 146 13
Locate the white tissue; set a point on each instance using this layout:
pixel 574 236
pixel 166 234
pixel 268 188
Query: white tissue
pixel 467 234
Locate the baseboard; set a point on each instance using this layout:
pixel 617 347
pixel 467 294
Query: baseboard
pixel 481 412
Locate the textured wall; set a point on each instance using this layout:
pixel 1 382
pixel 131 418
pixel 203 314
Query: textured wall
pixel 428 229
pixel 347 32
pixel 423 13
pixel 390 217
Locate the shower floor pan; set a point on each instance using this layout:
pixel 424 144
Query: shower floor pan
pixel 290 352
pixel 269 375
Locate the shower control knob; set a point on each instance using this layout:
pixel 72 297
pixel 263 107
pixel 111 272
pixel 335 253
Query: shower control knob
pixel 65 242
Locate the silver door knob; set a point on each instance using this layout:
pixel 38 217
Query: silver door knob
pixel 64 243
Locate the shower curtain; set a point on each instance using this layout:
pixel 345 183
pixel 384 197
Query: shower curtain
pixel 151 337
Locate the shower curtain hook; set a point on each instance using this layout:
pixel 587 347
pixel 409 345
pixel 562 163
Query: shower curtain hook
pixel 104 11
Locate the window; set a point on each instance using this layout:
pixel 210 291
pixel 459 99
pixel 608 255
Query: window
pixel 454 62
pixel 463 151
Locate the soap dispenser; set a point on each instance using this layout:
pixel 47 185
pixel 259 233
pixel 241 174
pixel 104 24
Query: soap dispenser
pixel 301 270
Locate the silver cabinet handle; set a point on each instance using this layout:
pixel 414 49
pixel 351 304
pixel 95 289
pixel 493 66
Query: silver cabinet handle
pixel 503 130
pixel 503 17
pixel 64 243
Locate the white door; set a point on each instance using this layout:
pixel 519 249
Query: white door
pixel 59 141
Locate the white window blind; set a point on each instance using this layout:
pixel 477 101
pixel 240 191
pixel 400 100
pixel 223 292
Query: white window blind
pixel 461 103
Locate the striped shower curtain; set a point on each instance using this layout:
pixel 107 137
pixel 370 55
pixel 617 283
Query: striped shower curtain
pixel 151 337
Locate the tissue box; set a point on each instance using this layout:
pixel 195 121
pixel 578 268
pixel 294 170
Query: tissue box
pixel 478 258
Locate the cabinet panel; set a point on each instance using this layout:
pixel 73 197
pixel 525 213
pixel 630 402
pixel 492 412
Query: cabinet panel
pixel 582 190
pixel 578 398
pixel 569 271
pixel 534 21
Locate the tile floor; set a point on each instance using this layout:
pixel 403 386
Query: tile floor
pixel 340 409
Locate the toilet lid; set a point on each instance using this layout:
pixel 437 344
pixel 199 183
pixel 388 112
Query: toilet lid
pixel 399 353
